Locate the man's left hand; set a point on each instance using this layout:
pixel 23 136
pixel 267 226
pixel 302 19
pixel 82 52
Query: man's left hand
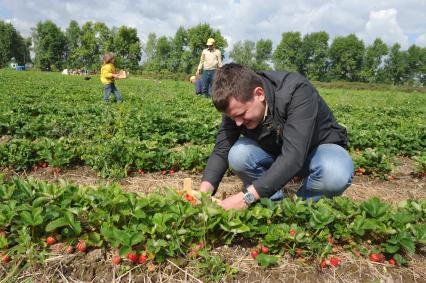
pixel 237 201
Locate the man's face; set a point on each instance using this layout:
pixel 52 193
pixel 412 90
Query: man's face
pixel 249 114
pixel 210 47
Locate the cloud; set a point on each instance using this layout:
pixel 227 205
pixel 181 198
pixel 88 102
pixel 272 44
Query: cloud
pixel 391 20
pixel 384 24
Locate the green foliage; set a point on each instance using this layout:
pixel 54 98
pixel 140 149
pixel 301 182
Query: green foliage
pixel 13 45
pixel 287 55
pixel 346 54
pixel 168 226
pixel 49 46
pixel 314 54
pixel 61 120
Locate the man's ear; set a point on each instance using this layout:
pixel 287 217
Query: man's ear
pixel 259 92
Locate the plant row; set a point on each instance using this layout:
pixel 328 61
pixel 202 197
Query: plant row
pixel 172 225
pixel 61 121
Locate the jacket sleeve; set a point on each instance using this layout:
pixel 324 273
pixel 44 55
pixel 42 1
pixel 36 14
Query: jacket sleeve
pixel 218 160
pixel 297 134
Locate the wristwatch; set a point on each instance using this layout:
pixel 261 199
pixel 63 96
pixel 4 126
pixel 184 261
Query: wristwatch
pixel 249 198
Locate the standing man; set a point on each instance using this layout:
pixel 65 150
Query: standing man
pixel 287 130
pixel 211 59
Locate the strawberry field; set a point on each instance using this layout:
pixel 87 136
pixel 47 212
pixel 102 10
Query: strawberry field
pixel 53 229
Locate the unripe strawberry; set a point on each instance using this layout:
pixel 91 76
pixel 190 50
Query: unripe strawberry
pixel 6 259
pixel 116 260
pixel 323 263
pixel 81 246
pixel 292 232
pixel 69 250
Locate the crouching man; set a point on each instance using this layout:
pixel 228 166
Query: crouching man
pixel 275 126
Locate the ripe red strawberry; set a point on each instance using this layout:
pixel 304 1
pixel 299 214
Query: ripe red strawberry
pixel 323 263
pixel 375 257
pixel 298 252
pixel 254 254
pixel 45 165
pixel 133 257
pixel 171 171
pixel 81 246
pixel 335 261
pixel 116 260
pixel 392 262
pixel 141 172
pixel 50 240
pixel 142 259
pixel 292 232
pixel 189 198
pixel 163 172
pixel 264 249
pixel 6 259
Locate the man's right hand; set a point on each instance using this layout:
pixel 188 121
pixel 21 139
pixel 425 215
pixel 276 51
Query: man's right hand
pixel 206 187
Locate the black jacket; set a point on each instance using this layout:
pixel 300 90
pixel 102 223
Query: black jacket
pixel 297 122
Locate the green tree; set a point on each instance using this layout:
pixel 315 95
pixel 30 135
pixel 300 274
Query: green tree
pixel 315 56
pixel 88 53
pixel 287 55
pixel 197 38
pixel 49 46
pixel 72 34
pixel 396 65
pixel 13 45
pixel 346 55
pixel 127 48
pixel 416 64
pixel 372 69
pixel 149 50
pixel 243 53
pixel 178 44
pixel 105 38
pixel 263 54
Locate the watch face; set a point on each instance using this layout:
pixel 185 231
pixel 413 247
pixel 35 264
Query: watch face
pixel 249 198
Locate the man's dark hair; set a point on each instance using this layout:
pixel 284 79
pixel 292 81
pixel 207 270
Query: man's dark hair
pixel 233 80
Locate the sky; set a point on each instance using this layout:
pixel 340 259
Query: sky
pixel 394 21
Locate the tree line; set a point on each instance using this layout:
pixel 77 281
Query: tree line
pixel 346 58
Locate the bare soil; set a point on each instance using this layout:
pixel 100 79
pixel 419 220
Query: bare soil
pixel 96 266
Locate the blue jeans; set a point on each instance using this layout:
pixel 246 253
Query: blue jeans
pixel 327 171
pixel 207 79
pixel 110 88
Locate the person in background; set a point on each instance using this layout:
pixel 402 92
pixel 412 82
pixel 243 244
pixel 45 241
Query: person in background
pixel 198 85
pixel 275 126
pixel 210 61
pixel 108 76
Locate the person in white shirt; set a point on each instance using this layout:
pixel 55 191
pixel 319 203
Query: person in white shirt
pixel 210 61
